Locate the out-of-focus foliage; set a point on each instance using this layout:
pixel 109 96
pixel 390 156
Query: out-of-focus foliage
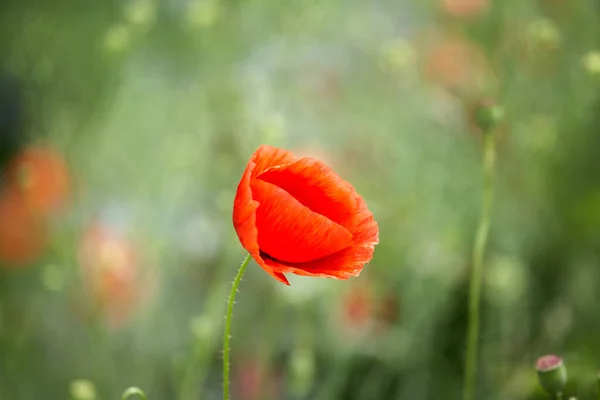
pixel 125 127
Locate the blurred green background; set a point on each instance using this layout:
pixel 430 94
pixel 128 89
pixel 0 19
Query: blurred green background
pixel 128 124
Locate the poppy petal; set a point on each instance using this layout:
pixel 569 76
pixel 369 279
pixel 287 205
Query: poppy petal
pixel 244 209
pixel 317 187
pixel 244 221
pixel 291 232
pixel 277 275
pixel 346 263
pixel 244 206
pixel 268 156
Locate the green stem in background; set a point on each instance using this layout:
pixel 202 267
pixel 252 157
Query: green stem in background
pixel 133 391
pixel 489 156
pixel 598 380
pixel 227 335
pixel 559 396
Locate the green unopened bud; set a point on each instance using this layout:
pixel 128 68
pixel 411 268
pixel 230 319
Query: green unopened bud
pixel 552 374
pixel 488 115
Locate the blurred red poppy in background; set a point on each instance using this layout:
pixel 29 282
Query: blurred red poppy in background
pixel 42 176
pixel 295 215
pixel 22 237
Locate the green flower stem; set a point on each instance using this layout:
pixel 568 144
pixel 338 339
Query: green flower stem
pixel 133 391
pixel 227 335
pixel 488 167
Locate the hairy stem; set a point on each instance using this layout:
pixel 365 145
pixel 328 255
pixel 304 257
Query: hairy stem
pixel 227 334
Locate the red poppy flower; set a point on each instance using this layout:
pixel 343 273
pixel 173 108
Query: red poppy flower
pixel 295 215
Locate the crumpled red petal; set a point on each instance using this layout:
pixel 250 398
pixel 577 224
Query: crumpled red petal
pixel 266 157
pixel 317 187
pixel 345 263
pixel 291 232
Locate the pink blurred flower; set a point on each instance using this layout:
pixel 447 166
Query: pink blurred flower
pixel 111 272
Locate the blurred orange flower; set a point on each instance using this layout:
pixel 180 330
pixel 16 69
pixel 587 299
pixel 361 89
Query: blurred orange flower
pixel 22 237
pixel 111 272
pixel 464 8
pixel 41 174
